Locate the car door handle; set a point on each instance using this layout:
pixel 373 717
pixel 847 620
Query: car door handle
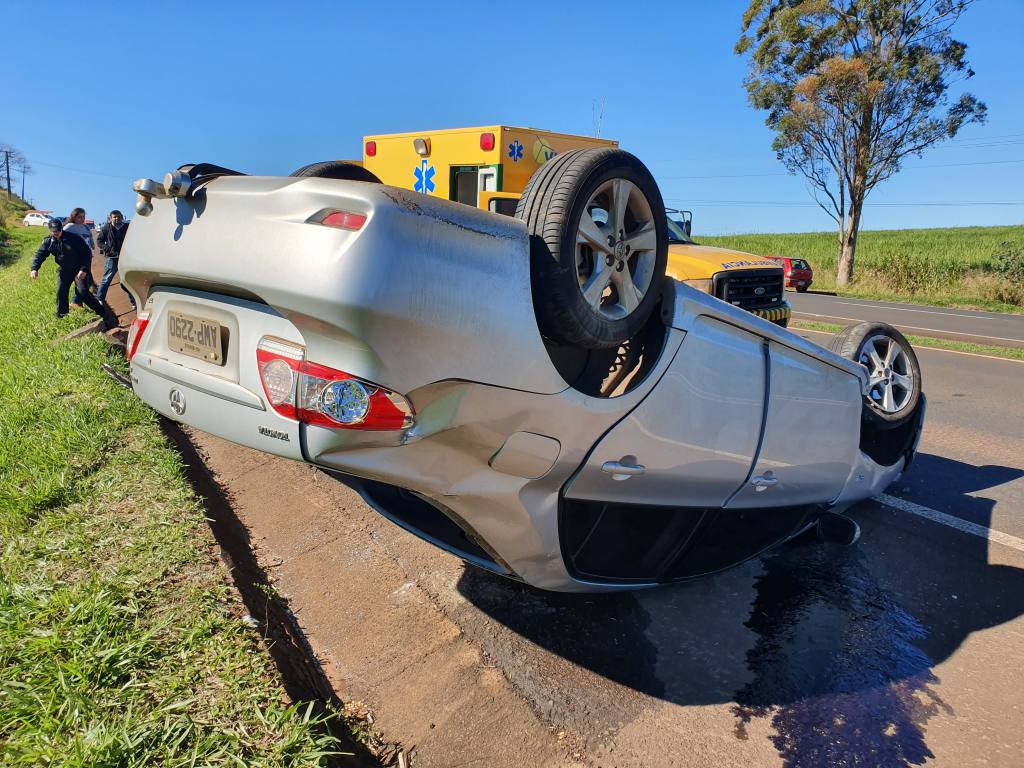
pixel 620 471
pixel 764 482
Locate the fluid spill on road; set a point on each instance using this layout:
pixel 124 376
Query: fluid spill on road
pixel 836 666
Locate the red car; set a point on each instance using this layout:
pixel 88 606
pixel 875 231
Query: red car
pixel 797 272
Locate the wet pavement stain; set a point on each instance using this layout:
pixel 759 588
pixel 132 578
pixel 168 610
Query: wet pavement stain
pixel 836 664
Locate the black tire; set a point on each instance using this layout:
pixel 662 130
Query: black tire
pixel 555 199
pixel 336 169
pixel 854 343
pixel 802 288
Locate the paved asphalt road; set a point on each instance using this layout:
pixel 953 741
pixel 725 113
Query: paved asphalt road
pixel 971 460
pixel 960 324
pixel 904 649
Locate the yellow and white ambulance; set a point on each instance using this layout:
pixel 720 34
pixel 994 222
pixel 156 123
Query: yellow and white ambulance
pixel 489 166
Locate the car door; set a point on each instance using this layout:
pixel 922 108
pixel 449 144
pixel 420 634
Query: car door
pixel 654 485
pixel 666 494
pixel 692 440
pixel 811 435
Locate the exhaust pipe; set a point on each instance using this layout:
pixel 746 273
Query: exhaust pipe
pixel 837 529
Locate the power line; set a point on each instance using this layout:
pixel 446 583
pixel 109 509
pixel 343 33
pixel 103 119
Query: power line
pixel 955 165
pixel 981 144
pixel 726 176
pixel 986 138
pixel 806 204
pixel 764 175
pixel 83 170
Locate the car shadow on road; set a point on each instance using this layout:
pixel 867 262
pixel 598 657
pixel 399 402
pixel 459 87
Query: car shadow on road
pixel 953 486
pixel 835 645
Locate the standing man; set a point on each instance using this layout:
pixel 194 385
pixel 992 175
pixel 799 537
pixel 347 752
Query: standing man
pixel 110 240
pixel 75 223
pixel 73 259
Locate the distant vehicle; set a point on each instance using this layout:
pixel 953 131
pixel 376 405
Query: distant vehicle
pixel 36 219
pixel 798 273
pixel 747 281
pixel 90 224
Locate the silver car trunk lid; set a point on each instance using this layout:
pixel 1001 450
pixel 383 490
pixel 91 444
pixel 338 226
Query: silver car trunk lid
pixel 425 290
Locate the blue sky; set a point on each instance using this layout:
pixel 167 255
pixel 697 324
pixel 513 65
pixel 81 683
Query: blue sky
pixel 99 94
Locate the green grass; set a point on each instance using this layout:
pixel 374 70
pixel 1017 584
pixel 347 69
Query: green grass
pixel 121 643
pixel 948 267
pixel 12 210
pixel 1010 353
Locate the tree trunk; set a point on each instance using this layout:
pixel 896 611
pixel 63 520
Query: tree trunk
pixel 848 245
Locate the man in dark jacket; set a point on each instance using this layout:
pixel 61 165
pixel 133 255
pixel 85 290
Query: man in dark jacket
pixel 110 240
pixel 73 258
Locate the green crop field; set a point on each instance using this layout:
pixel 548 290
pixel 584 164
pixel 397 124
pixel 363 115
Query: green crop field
pixel 963 266
pixel 122 642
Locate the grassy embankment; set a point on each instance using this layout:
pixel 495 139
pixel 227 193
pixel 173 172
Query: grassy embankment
pixel 960 267
pixel 121 642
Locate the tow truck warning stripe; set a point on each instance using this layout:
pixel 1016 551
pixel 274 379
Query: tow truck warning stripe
pixel 777 313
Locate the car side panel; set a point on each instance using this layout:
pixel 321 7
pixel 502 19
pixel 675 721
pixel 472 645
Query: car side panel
pixel 811 433
pixel 695 435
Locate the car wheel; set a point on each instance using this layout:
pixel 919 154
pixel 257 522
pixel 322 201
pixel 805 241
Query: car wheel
pixel 893 371
pixel 802 288
pixel 598 246
pixel 337 169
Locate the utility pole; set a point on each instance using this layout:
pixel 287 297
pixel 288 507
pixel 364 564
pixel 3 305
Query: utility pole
pixel 7 163
pixel 23 182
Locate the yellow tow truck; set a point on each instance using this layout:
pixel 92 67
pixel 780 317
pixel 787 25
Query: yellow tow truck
pixel 489 166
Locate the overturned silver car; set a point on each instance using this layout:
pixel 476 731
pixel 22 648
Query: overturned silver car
pixel 529 393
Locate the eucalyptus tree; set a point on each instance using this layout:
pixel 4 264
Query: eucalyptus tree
pixel 852 88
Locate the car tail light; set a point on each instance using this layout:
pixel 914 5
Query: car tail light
pixel 280 365
pixel 487 141
pixel 371 148
pixel 316 394
pixel 344 220
pixel 135 333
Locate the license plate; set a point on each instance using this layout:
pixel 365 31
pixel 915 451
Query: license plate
pixel 800 282
pixel 194 336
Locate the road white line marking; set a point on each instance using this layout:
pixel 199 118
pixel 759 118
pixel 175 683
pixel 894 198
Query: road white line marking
pixel 953 522
pixel 910 327
pixel 920 347
pixel 928 311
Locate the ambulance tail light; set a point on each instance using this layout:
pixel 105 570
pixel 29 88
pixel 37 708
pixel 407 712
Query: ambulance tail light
pixel 371 149
pixel 487 141
pixel 135 333
pixel 319 395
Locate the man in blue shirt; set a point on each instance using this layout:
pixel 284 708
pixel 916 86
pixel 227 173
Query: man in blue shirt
pixel 73 259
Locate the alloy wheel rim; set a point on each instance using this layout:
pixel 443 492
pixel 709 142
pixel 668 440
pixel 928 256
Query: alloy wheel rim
pixel 890 377
pixel 615 257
